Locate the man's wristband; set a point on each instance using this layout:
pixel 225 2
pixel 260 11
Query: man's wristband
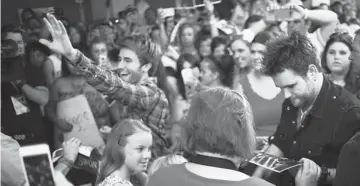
pixel 76 58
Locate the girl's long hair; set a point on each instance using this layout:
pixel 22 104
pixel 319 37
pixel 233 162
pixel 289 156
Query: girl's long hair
pixel 114 156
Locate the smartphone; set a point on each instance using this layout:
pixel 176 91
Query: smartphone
pixel 167 12
pixel 37 165
pixel 283 13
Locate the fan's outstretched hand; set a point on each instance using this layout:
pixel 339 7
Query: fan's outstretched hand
pixel 61 43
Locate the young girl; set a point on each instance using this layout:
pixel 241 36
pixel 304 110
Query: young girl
pixel 127 153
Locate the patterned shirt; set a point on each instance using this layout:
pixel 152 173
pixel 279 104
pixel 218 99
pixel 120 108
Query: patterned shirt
pixel 113 180
pixel 144 100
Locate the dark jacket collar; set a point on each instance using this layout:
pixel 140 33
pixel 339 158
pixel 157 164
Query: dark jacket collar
pixel 322 98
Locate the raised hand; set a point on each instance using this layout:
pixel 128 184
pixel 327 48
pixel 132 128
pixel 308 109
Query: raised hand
pixel 71 149
pixel 209 6
pixel 61 42
pixel 161 16
pixel 295 8
pixel 269 16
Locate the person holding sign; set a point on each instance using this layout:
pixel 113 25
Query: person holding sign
pixel 68 87
pixel 129 84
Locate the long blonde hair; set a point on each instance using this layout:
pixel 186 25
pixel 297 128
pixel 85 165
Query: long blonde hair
pixel 114 156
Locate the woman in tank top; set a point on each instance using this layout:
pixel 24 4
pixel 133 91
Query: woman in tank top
pixel 264 97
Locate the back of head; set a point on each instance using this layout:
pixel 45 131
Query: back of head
pixel 251 20
pixel 220 121
pixel 294 52
pixel 114 155
pixel 263 37
pixel 216 41
pixel 224 67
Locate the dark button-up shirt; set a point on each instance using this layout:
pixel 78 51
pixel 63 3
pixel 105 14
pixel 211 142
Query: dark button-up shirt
pixel 331 122
pixel 348 168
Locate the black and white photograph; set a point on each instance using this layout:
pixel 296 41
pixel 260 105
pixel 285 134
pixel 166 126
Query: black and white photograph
pixel 180 93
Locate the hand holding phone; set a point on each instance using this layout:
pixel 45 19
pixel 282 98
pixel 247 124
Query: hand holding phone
pixel 282 13
pixel 37 165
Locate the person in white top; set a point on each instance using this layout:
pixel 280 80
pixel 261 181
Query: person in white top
pixel 52 69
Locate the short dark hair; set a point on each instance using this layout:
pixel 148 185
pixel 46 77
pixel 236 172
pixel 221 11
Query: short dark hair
pixel 130 9
pixel 252 19
pixel 263 37
pixel 121 14
pixel 225 67
pixel 9 28
pixel 36 46
pixel 216 41
pixel 96 40
pixel 179 67
pixel 294 52
pixel 203 35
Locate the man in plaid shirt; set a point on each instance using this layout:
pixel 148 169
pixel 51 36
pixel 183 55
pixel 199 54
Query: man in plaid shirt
pixel 136 94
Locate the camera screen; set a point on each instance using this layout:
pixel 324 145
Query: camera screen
pixel 38 170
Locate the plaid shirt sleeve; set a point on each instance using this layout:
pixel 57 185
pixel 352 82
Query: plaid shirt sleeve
pixel 105 81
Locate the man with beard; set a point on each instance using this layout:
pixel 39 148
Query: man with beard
pixel 318 117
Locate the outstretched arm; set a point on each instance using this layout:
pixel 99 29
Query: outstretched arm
pixel 105 81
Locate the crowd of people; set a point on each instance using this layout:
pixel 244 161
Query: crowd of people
pixel 186 96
